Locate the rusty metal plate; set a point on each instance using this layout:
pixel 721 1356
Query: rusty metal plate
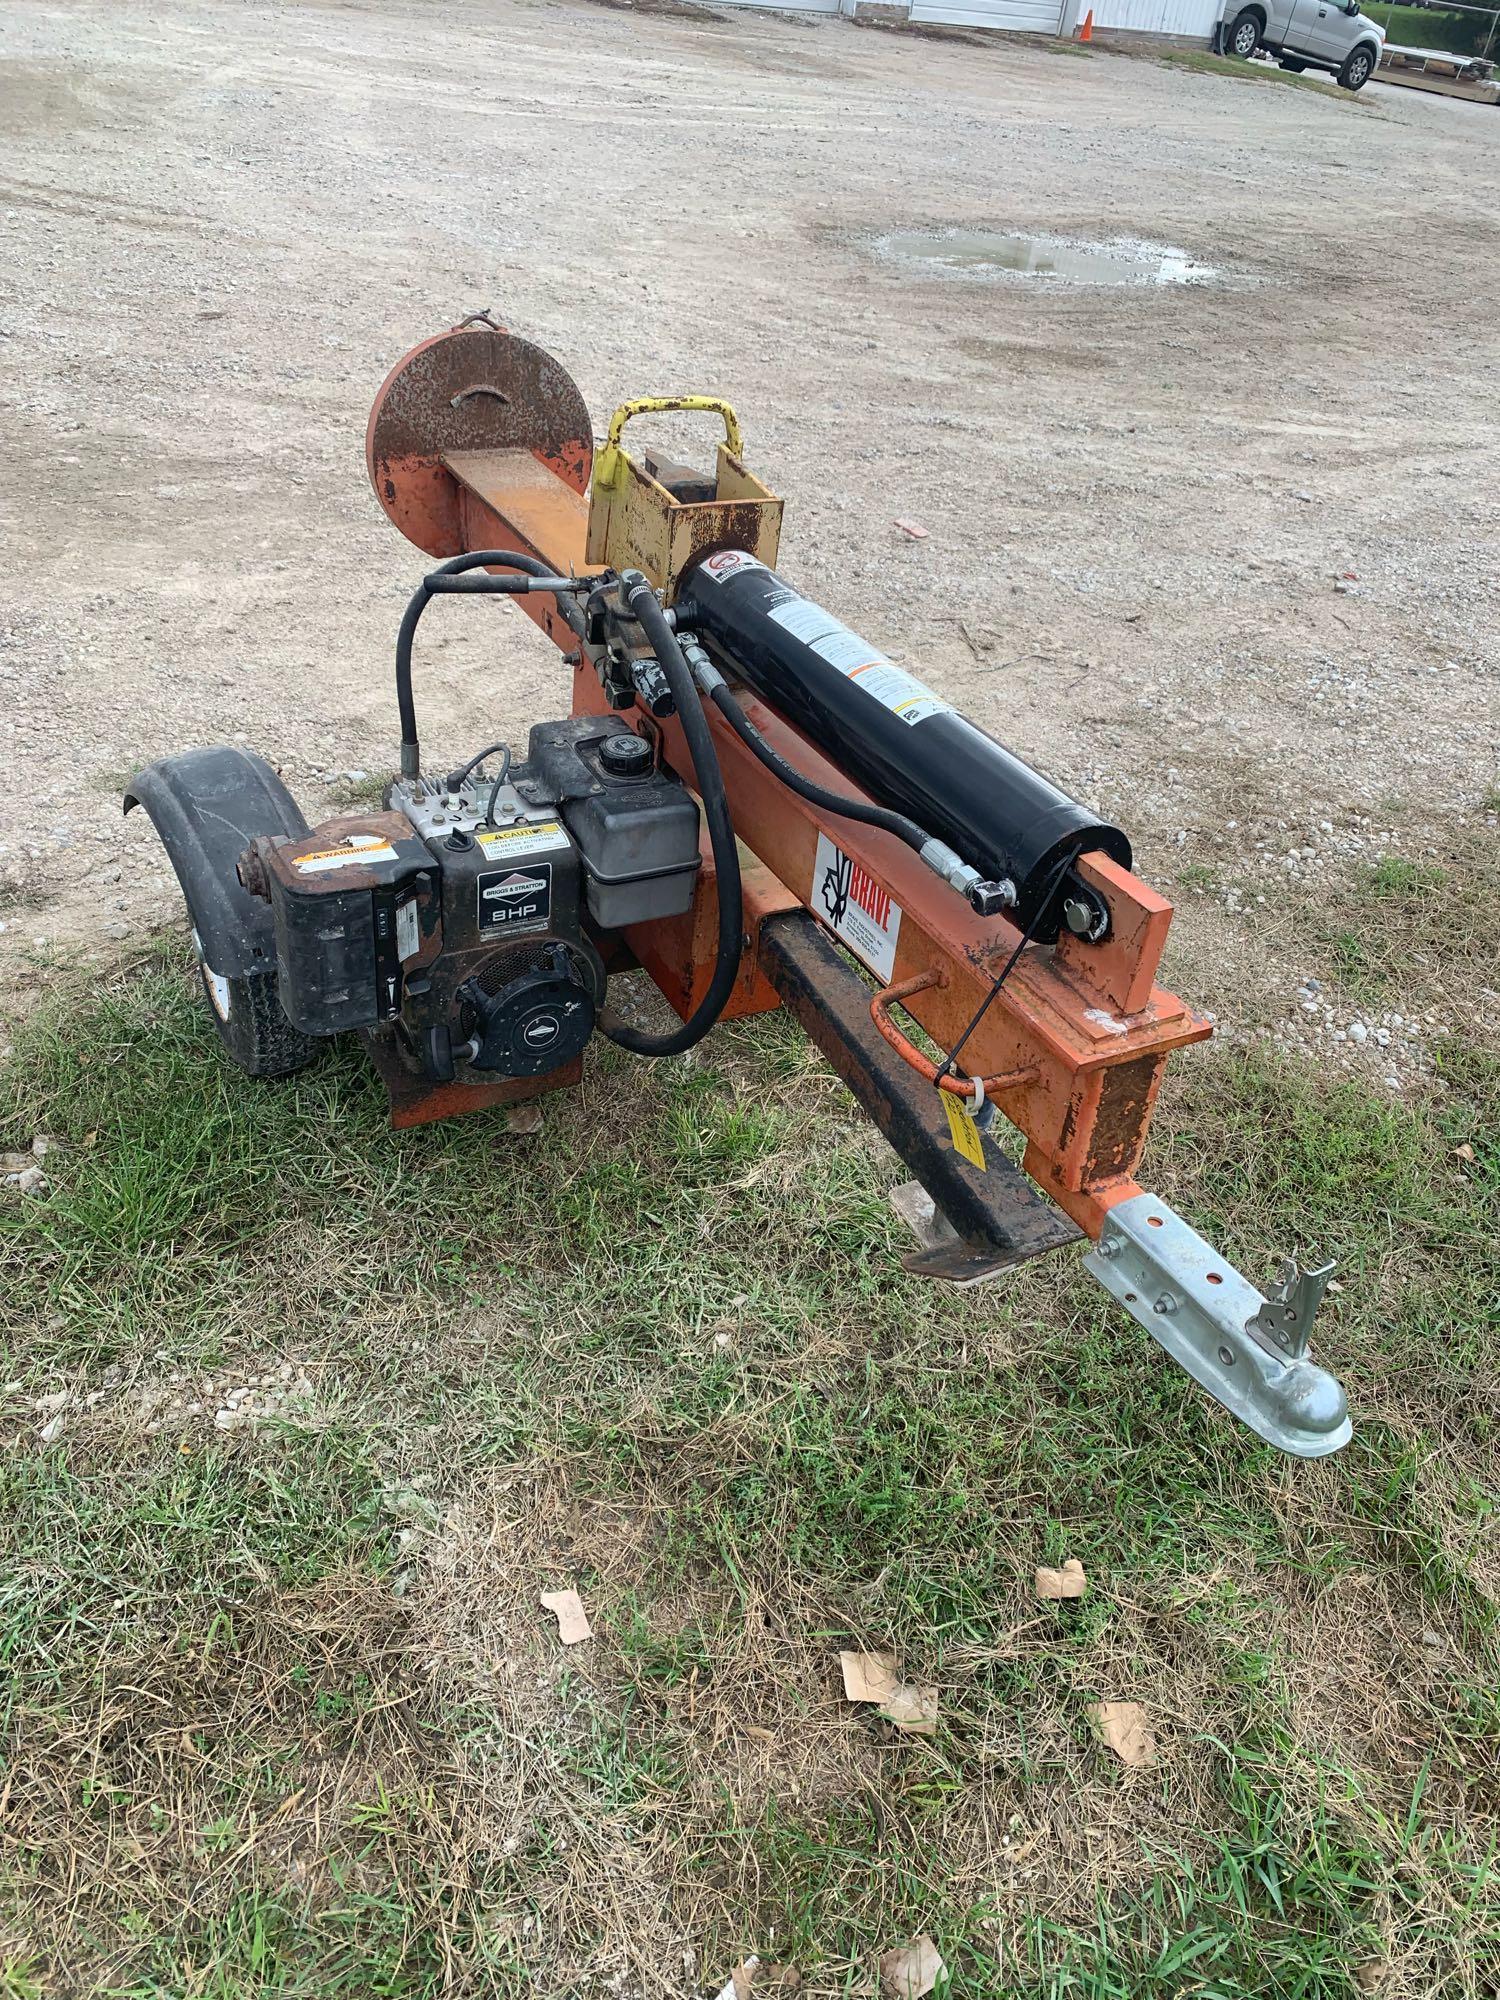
pixel 415 1100
pixel 476 388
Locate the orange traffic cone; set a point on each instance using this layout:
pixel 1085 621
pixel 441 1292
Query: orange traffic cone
pixel 1086 32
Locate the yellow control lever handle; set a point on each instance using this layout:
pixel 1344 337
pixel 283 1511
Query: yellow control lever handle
pixel 641 406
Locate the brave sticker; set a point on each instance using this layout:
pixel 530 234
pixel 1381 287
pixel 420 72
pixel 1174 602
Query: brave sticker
pixel 856 908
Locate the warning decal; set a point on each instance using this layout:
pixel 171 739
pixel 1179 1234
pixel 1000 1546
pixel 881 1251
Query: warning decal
pixel 902 693
pixel 408 929
pixel 806 621
pixel 358 847
pixel 728 562
pixel 967 1138
pixel 855 908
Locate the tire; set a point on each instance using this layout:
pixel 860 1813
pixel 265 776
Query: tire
pixel 1294 64
pixel 1243 37
pixel 1359 67
pixel 248 1016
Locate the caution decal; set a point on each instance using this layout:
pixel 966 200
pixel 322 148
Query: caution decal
pixel 498 841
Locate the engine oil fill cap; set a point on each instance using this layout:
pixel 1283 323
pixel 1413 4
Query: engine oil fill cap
pixel 626 755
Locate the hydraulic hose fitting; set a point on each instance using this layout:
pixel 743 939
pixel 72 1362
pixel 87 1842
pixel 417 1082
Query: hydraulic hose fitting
pixel 986 899
pixel 705 673
pixel 989 899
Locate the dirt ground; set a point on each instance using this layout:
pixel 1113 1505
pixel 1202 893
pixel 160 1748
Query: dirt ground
pixel 1221 558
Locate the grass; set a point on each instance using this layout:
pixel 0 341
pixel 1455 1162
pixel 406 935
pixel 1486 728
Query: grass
pixel 283 1714
pixel 370 790
pixel 1431 28
pixel 1398 912
pixel 1201 62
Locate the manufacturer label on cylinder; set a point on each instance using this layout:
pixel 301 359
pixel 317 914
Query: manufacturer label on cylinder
pixel 865 665
pixel 855 908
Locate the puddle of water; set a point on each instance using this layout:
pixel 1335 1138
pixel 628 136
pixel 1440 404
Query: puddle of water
pixel 1057 259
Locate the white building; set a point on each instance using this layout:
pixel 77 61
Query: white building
pixel 1193 20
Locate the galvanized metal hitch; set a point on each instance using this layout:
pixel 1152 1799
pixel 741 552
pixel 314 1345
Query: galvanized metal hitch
pixel 1248 1351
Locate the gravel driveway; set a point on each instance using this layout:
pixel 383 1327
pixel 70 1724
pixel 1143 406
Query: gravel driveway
pixel 1220 556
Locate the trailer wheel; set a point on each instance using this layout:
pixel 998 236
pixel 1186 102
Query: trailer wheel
pixel 248 1015
pixel 1357 69
pixel 1244 35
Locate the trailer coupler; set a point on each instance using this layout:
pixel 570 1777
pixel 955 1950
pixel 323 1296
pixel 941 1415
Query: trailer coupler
pixel 1248 1351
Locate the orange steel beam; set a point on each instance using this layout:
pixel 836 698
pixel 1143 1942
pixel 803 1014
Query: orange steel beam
pixel 1087 1023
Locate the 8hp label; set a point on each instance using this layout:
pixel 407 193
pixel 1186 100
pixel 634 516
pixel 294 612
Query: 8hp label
pixel 515 899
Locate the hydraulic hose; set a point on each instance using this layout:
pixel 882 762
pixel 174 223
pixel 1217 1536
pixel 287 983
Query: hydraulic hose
pixel 640 601
pixel 863 810
pixel 449 579
pixel 985 897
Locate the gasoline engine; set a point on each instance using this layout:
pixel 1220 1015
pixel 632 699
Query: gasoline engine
pixel 761 809
pixel 457 921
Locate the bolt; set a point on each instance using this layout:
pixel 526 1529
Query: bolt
pixel 251 869
pixel 988 899
pixel 1107 1246
pixel 1166 1303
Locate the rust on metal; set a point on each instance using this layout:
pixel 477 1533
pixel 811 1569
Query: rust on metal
pixel 636 521
pixel 1125 1096
pixel 475 388
pixel 415 1100
pixel 355 832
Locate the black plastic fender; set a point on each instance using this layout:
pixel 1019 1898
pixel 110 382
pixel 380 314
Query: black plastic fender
pixel 208 805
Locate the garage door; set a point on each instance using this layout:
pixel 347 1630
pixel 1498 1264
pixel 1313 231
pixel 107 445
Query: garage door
pixel 1036 17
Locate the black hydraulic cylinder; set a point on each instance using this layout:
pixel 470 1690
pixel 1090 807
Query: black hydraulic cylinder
pixel 908 748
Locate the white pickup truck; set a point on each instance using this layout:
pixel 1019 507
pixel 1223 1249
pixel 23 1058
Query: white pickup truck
pixel 1308 34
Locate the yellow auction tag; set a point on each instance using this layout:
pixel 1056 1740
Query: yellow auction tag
pixel 967 1137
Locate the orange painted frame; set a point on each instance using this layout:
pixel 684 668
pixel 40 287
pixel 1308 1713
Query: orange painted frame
pixel 1088 1022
